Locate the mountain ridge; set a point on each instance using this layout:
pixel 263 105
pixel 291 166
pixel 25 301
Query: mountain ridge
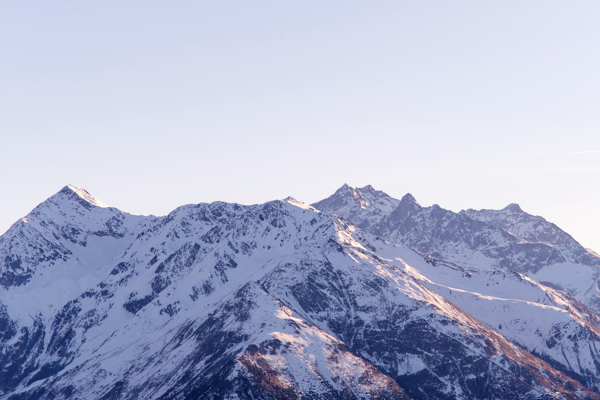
pixel 272 300
pixel 489 239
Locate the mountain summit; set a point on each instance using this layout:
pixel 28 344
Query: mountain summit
pixel 363 206
pixel 78 194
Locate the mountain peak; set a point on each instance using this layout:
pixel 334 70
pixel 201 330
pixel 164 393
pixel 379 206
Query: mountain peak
pixel 300 204
pixel 405 206
pixel 81 196
pixel 348 194
pixel 408 198
pixel 364 205
pixel 367 188
pixel 513 207
pixel 370 198
pixel 344 191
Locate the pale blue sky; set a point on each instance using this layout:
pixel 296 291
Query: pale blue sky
pixel 151 105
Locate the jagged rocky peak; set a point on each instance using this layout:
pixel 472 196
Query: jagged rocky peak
pixel 407 205
pixel 367 198
pixel 408 198
pixel 377 198
pixel 408 201
pixel 513 208
pixel 352 195
pixel 362 206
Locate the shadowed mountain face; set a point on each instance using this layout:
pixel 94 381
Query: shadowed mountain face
pixel 279 301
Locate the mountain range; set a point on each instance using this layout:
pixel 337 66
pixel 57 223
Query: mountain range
pixel 357 296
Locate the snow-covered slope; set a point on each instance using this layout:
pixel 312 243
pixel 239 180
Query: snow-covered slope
pixel 548 323
pixel 270 301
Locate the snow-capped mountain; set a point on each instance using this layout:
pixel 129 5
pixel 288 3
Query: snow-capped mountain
pixel 279 300
pixel 485 240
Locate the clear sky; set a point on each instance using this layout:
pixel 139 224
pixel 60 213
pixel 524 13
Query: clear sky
pixel 151 104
